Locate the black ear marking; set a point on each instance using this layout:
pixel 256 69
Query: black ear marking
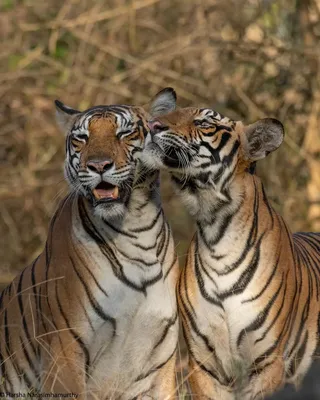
pixel 65 116
pixel 64 108
pixel 252 168
pixel 168 90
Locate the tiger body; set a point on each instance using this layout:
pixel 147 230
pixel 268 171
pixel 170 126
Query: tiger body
pixel 249 293
pixel 95 314
pixel 110 322
pixel 243 295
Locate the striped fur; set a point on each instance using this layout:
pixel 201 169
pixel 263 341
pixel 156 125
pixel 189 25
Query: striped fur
pixel 249 293
pixel 95 314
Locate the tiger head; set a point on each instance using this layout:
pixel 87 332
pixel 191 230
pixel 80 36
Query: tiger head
pixel 205 150
pixel 103 146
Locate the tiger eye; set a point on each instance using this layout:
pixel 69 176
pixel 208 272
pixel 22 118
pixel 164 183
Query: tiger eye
pixel 77 144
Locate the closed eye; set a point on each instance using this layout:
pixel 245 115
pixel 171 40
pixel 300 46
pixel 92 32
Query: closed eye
pixel 124 133
pixel 202 124
pixel 77 144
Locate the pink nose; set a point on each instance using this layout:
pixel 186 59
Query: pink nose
pixel 99 166
pixel 155 126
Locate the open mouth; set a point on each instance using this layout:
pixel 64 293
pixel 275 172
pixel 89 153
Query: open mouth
pixel 105 191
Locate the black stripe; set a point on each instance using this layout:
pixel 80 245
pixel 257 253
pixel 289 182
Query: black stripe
pixel 74 334
pixel 250 242
pixel 260 293
pixel 164 249
pixel 156 368
pixel 167 273
pixel 122 232
pixel 1 298
pixel 266 202
pixel 35 296
pixel 30 363
pixel 193 325
pixel 200 280
pixel 14 361
pixel 170 323
pixel 272 323
pixel 261 317
pixel 228 381
pixel 108 252
pixel 146 248
pixel 229 158
pixel 24 322
pixel 94 278
pixel 296 297
pixel 48 245
pixel 94 304
pixel 302 325
pixel 220 231
pixel 246 276
pixel 3 367
pixel 86 314
pixel 151 225
pixel 257 370
pixel 296 361
pixel 225 137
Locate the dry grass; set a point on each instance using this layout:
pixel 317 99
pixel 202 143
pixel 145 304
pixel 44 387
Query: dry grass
pixel 246 58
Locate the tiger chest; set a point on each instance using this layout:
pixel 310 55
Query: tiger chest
pixel 138 331
pixel 221 341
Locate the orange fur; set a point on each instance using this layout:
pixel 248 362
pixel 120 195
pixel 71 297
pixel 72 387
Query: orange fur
pixel 248 295
pixel 95 314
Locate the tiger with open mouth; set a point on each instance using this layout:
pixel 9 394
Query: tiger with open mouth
pixel 95 314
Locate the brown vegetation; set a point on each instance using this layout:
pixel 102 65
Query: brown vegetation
pixel 246 58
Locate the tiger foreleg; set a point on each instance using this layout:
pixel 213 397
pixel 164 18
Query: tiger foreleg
pixel 267 381
pixel 65 370
pixel 165 387
pixel 203 386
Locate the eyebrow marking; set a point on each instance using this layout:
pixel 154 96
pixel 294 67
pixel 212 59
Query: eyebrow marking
pixel 81 136
pixel 123 132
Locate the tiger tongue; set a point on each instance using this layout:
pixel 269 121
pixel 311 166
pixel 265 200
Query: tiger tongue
pixel 106 193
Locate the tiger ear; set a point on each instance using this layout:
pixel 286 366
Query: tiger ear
pixel 65 116
pixel 163 102
pixel 263 137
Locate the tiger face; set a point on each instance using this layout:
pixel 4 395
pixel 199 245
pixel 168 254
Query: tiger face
pixel 205 150
pixel 103 146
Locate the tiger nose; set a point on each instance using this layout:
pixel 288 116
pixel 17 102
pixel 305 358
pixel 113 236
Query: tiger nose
pixel 156 126
pixel 99 166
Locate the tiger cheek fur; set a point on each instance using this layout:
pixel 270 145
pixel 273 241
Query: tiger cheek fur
pixel 95 314
pixel 249 293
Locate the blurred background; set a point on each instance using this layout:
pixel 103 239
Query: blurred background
pixel 245 58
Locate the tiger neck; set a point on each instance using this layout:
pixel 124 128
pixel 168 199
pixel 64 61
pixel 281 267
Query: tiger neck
pixel 145 201
pixel 143 206
pixel 225 223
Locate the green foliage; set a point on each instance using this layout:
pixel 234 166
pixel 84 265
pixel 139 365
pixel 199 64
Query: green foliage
pixel 7 5
pixel 61 50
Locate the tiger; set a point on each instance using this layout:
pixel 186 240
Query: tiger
pixel 248 295
pixel 95 314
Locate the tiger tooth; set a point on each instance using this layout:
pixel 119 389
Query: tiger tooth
pixel 116 192
pixel 95 193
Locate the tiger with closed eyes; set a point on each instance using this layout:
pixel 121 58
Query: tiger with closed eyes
pixel 249 293
pixel 95 314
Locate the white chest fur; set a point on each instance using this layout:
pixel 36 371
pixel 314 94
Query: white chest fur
pixel 228 326
pixel 136 328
